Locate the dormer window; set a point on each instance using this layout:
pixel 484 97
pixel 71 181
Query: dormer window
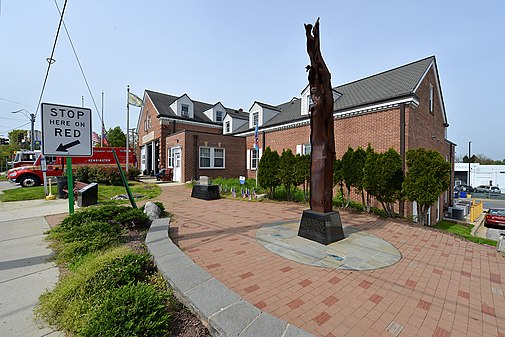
pixel 255 119
pixel 310 102
pixel 219 116
pixel 184 110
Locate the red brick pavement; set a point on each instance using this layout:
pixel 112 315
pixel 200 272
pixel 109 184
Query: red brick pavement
pixel 443 286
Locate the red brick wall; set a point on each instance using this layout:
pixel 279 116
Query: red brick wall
pixel 234 153
pixel 162 129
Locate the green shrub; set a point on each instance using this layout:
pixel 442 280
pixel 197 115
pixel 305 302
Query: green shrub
pixel 72 302
pixel 104 213
pixel 73 242
pixel 132 310
pixel 108 175
pixel 133 218
pixel 133 173
pixel 82 174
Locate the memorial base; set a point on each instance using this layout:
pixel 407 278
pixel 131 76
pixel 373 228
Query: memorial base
pixel 205 192
pixel 324 228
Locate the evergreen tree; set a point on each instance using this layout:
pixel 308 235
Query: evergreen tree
pixel 428 176
pixel 369 175
pixel 389 176
pixel 268 171
pixel 358 163
pixel 287 163
pixel 347 172
pixel 302 173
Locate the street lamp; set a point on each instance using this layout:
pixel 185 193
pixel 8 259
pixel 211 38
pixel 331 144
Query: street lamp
pixel 32 121
pixel 469 151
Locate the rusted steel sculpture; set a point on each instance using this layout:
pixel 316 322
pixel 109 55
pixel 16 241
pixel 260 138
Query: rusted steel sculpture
pixel 320 223
pixel 321 125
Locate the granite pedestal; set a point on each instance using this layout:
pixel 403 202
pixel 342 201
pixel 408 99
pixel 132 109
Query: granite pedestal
pixel 324 228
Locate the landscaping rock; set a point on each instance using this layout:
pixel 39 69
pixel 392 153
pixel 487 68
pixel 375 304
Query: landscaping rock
pixel 152 211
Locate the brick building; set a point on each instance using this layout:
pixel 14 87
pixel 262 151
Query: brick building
pixel 402 108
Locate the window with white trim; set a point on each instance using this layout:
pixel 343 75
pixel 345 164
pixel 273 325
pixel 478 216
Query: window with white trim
pixel 310 103
pixel 170 156
pixel 184 110
pixel 212 157
pixel 219 116
pixel 227 126
pixel 306 148
pixel 255 119
pixel 431 98
pixel 254 159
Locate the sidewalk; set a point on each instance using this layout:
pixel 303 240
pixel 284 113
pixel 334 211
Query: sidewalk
pixel 24 271
pixel 442 285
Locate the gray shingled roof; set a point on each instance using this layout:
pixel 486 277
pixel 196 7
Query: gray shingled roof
pixel 162 103
pixel 390 84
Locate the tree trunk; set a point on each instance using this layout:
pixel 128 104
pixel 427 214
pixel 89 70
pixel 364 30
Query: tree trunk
pixel 348 196
pixel 321 125
pixel 363 197
pixel 368 202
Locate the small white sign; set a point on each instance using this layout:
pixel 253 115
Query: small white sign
pixel 66 131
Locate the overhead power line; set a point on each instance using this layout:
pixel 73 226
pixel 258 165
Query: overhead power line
pixel 50 59
pixel 79 63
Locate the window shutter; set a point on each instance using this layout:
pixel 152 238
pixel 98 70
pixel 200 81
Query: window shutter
pixel 248 159
pixel 299 149
pixel 260 154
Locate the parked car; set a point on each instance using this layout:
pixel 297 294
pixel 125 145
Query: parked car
pixel 487 189
pixel 463 188
pixel 495 217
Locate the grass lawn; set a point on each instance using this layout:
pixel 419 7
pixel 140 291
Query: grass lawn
pixel 3 177
pixel 105 192
pixel 463 231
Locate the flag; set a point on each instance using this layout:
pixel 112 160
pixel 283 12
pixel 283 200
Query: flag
pixel 134 100
pixel 104 137
pixel 95 138
pixel 256 143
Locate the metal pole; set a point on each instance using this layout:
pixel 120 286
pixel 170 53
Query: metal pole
pixel 101 131
pixel 32 140
pixel 70 183
pixel 469 152
pixel 127 126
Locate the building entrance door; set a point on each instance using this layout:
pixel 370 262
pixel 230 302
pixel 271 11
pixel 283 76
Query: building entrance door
pixel 176 152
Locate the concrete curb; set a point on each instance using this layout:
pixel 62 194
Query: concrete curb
pixel 477 225
pixel 224 312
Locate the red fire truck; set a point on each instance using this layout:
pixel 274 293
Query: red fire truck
pixel 31 175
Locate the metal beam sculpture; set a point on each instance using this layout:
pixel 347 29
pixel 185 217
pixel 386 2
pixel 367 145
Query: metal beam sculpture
pixel 320 223
pixel 321 125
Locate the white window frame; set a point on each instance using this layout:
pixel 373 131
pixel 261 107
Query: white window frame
pixel 170 156
pixel 254 159
pixel 310 103
pixel 306 148
pixel 431 97
pixel 184 113
pixel 255 119
pixel 212 156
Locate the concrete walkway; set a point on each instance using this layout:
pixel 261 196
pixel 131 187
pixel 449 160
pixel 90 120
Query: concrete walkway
pixel 442 286
pixel 25 272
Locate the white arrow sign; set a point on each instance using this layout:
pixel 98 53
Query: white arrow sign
pixel 66 131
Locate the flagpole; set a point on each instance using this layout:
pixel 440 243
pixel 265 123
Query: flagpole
pixel 101 131
pixel 127 125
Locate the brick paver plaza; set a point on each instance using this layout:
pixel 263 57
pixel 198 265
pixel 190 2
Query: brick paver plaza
pixel 442 286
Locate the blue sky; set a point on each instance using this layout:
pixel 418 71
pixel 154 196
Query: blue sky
pixel 237 52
